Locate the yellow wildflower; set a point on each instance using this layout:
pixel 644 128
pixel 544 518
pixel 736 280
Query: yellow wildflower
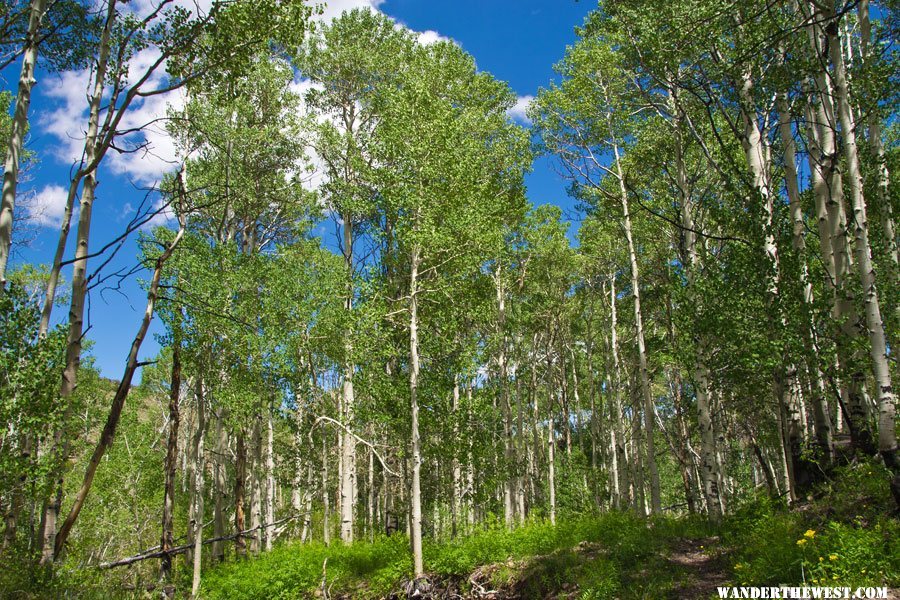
pixel 801 541
pixel 832 557
pixel 821 559
pixel 810 533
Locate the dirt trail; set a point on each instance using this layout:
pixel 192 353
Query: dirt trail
pixel 704 569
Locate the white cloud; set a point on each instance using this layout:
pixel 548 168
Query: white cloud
pixel 142 8
pixel 335 8
pixel 430 36
pixel 144 120
pixel 47 207
pixel 163 215
pixel 518 112
pixel 156 153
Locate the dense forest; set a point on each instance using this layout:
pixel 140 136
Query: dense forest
pixel 372 335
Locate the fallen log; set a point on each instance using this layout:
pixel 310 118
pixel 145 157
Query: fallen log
pixel 156 553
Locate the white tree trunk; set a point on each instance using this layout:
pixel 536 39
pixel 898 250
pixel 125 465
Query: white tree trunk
pixel 17 134
pixel 456 497
pixel 505 406
pixel 887 440
pixel 646 392
pixel 348 442
pixel 821 417
pixel 415 484
pixel 219 486
pixel 758 161
pixel 877 144
pixel 709 465
pixel 551 463
pixel 79 287
pixel 828 186
pixel 620 457
pixel 199 468
pixel 270 480
pixel 326 508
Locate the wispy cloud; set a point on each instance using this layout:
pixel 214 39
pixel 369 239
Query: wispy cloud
pixel 519 111
pixel 47 207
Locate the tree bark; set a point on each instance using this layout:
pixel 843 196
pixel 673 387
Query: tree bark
pixel 171 461
pixel 197 484
pixel 509 491
pixel 270 479
pixel 17 134
pixel 828 187
pixel 79 291
pixel 646 392
pixel 821 418
pixel 620 457
pixel 415 487
pixel 758 162
pixel 115 411
pixel 240 475
pixel 348 442
pixel 255 481
pixel 456 498
pixel 219 485
pixel 887 440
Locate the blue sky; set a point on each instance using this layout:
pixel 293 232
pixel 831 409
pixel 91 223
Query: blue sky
pixel 516 41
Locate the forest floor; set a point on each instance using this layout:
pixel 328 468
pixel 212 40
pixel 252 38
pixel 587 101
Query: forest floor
pixel 846 533
pixel 682 568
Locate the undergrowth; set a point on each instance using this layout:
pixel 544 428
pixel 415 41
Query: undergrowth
pixel 847 536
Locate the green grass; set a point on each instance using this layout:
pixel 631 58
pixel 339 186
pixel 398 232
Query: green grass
pixel 598 553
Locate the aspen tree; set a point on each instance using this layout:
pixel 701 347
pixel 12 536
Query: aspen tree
pixel 17 133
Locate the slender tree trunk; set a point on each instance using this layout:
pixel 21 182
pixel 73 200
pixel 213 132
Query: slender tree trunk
pixel 638 477
pixel 882 174
pixel 306 532
pixel 415 488
pixel 620 457
pixel 270 480
pixel 551 462
pixel 219 484
pixel 520 447
pixel 199 468
pixel 505 405
pixel 758 162
pixel 370 494
pixel 828 187
pixel 646 392
pixel 17 134
pixel 456 498
pixel 240 476
pixel 79 292
pixel 326 508
pixel 115 411
pixel 821 418
pixel 470 463
pixel 255 480
pixel 348 442
pixel 887 440
pixel 168 525
pixel 537 438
